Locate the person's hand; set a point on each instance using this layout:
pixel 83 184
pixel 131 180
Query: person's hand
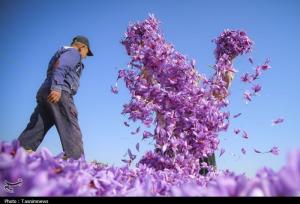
pixel 229 77
pixel 54 96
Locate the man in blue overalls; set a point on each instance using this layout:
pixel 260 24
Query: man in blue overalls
pixel 55 105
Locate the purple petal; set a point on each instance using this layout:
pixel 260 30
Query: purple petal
pixel 132 156
pixel 237 115
pixel 259 152
pixel 246 78
pixel 245 135
pixel 247 96
pixel 256 88
pixel 243 151
pixel 237 131
pixel 277 121
pixel 250 60
pixel 222 152
pixel 274 150
pixel 114 89
pixel 147 134
pixel 126 161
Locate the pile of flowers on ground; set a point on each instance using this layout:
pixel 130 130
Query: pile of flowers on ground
pixel 42 174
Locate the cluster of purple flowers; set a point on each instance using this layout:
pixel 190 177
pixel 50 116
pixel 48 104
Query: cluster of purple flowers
pixel 232 43
pixel 42 174
pixel 167 91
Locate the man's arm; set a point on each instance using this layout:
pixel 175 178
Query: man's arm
pixel 229 75
pixel 66 61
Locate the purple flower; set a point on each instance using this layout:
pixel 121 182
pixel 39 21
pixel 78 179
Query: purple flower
pixel 247 96
pixel 114 89
pixel 126 161
pixel 243 151
pixel 136 131
pixel 131 156
pixel 245 135
pixel 257 151
pixel 265 66
pixel 137 146
pixel 121 73
pixel 232 43
pixel 237 115
pixel 274 150
pixel 246 78
pixel 237 131
pixel 250 60
pixel 256 88
pixel 147 134
pixel 277 121
pixel 222 152
pixel 257 73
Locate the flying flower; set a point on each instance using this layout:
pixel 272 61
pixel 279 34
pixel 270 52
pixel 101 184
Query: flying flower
pixel 232 43
pixel 121 73
pixel 256 88
pixel 247 96
pixel 245 135
pixel 126 161
pixel 222 152
pixel 138 130
pixel 257 151
pixel 250 60
pixel 114 89
pixel 277 121
pixel 246 78
pixel 126 124
pixel 274 150
pixel 236 131
pixel 266 65
pixel 257 73
pixel 237 115
pixel 131 156
pixel 243 151
pixel 137 146
pixel 147 134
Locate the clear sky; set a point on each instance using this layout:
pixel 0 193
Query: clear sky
pixel 31 31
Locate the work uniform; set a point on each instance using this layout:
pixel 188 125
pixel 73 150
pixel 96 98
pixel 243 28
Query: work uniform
pixel 63 75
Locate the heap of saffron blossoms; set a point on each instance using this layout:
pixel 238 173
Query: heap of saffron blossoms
pixel 167 91
pixel 42 174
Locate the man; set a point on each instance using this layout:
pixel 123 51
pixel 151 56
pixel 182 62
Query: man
pixel 55 105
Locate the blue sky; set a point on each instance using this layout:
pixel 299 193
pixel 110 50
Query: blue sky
pixel 31 31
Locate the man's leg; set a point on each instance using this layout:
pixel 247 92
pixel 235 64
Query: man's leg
pixel 66 121
pixel 210 160
pixel 40 122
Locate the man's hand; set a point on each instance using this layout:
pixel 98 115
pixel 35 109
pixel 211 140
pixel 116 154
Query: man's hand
pixel 54 96
pixel 228 78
